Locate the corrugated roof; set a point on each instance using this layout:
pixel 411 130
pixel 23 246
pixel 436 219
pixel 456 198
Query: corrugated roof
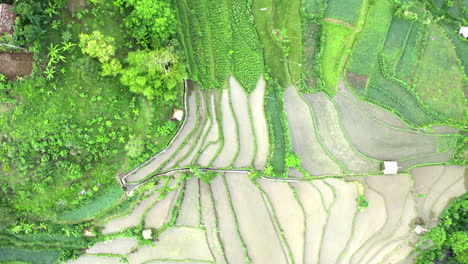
pixel 7 19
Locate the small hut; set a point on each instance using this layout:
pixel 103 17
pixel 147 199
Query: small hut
pixel 463 32
pixel 7 19
pixel 178 115
pixel 390 167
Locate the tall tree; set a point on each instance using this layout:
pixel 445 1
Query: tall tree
pixel 154 74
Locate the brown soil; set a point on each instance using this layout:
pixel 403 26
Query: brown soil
pixel 73 5
pixel 358 82
pixel 15 65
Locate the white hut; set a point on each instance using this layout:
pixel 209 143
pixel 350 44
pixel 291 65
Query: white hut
pixel 463 32
pixel 390 167
pixel 147 234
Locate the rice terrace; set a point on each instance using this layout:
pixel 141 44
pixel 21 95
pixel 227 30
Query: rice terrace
pixel 233 131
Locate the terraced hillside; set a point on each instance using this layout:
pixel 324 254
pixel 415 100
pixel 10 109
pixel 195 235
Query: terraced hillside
pixel 286 221
pixel 310 217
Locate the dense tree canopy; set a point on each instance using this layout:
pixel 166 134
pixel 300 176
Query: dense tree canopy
pixel 155 74
pixel 150 21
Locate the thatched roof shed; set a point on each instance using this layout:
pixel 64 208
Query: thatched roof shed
pixel 7 19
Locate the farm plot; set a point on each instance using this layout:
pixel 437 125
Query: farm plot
pixel 262 241
pixel 176 243
pixel 189 211
pixel 185 131
pixel 435 158
pixel 333 137
pixel 367 223
pixel 370 41
pixel 242 111
pixel 379 141
pixel 395 189
pixel 344 10
pixel 441 81
pixel 304 140
pixel 192 139
pixel 231 240
pixel 289 215
pixel 210 222
pixel 120 246
pixel 337 231
pixel 256 102
pixel 335 39
pixel 316 216
pixel 264 14
pixel 379 114
pixel 230 134
pixel 160 213
pixel 132 219
pixel 435 186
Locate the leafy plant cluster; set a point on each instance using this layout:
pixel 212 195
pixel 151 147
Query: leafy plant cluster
pixel 448 241
pixel 219 39
pixel 72 125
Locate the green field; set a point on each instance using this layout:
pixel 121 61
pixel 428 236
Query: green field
pixel 28 256
pixel 344 10
pixel 335 40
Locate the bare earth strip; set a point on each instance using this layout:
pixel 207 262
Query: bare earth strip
pixel 210 223
pixel 86 259
pixel 256 101
pixel 433 158
pixel 227 225
pixel 198 145
pixel 189 213
pixel 158 215
pixel 194 137
pixel 187 129
pixel 316 217
pixel 231 139
pixel 116 246
pixel 339 224
pixel 379 141
pixel 331 134
pixel 368 222
pixel 395 189
pixel 176 243
pixel 304 141
pixel 262 241
pixel 457 189
pixel 208 136
pixel 130 220
pixel 207 155
pixel 289 215
pixel 247 142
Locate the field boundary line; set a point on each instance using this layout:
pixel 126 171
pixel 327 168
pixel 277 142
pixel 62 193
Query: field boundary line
pixel 336 21
pixel 277 226
pixel 236 222
pixel 318 137
pixel 293 189
pixel 213 205
pixel 328 208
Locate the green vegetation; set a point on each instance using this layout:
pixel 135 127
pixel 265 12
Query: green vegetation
pixel 219 39
pixel 335 39
pixel 448 241
pixel 28 256
pixel 151 22
pixel 344 10
pixel 75 123
pixel 155 74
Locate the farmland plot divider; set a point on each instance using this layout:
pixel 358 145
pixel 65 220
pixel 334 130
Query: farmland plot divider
pixel 278 230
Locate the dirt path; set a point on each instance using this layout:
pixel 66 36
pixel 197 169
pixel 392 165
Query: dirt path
pixel 336 21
